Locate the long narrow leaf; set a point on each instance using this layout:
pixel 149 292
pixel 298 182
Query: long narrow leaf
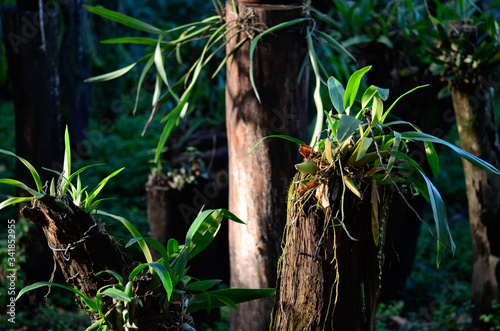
pixel 111 75
pixel 160 270
pixel 236 295
pixel 144 72
pixel 34 173
pixel 420 136
pixel 133 230
pixel 13 201
pixel 439 212
pixel 255 41
pixel 295 140
pixel 19 184
pixel 352 87
pixel 318 126
pixel 99 187
pixel 90 303
pixel 124 19
pixel 394 103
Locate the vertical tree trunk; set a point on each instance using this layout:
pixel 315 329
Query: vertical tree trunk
pixel 479 136
pixel 258 183
pixel 32 57
pixel 74 68
pixel 326 280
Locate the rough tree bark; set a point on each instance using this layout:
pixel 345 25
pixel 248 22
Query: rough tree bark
pixel 479 136
pixel 89 249
pixel 326 280
pixel 259 182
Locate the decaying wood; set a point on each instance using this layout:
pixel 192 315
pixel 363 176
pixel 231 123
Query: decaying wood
pixel 82 248
pixel 326 280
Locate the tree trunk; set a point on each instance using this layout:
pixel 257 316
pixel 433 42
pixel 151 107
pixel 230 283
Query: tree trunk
pixel 66 226
pixel 479 136
pixel 258 183
pixel 32 56
pixel 89 250
pixel 74 68
pixel 327 280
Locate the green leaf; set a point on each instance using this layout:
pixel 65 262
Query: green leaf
pixel 113 273
pixel 292 139
pixel 362 147
pixel 318 126
pixel 395 150
pixel 439 212
pixel 153 242
pixel 144 72
pixel 371 92
pixel 420 136
pixel 163 137
pixel 336 91
pixel 95 192
pixel 67 162
pixel 203 231
pixel 335 44
pixel 117 294
pixel 90 303
pixel 13 201
pixel 236 295
pixel 352 87
pixel 111 75
pixel 28 165
pixel 133 230
pixel 160 270
pixel 178 266
pixel 19 184
pixel 377 110
pixel 203 285
pixel 394 103
pixel 347 126
pixel 255 41
pixel 132 40
pixel 124 19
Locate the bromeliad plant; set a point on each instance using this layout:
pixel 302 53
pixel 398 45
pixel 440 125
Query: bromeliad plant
pixel 122 305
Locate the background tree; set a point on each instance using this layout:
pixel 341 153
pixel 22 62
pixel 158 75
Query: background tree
pixel 469 54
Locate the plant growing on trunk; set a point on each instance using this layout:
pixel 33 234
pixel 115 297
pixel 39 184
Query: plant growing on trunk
pixel 152 295
pixel 337 205
pixel 467 54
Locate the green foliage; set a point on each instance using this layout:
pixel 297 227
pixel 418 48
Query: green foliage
pixel 363 145
pixel 64 183
pixel 493 318
pixel 171 271
pixel 465 43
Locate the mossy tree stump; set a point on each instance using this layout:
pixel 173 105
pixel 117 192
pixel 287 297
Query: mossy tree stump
pixel 329 278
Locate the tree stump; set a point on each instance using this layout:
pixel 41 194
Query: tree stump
pixel 329 279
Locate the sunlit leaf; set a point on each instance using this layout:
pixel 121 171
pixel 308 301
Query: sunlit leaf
pixel 34 173
pixel 111 75
pixel 352 87
pixel 336 91
pixel 420 136
pixel 124 19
